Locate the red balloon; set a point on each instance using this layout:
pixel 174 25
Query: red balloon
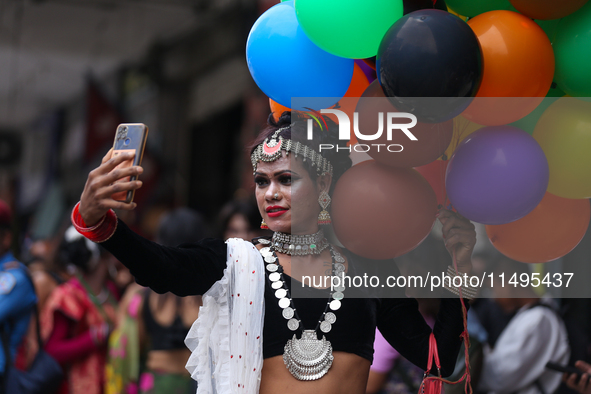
pixel 381 212
pixel 547 9
pixel 432 138
pixel 434 173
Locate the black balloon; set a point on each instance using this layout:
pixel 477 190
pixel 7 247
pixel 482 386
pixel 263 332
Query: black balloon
pixel 414 5
pixel 429 63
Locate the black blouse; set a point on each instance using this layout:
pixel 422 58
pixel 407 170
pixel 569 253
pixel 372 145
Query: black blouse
pixel 191 269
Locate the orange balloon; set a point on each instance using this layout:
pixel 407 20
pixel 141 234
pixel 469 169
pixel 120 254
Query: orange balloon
pixel 548 232
pixel 277 109
pixel 518 63
pixel 381 212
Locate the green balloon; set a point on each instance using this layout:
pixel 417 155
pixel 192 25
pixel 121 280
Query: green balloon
pixel 528 123
pixel 471 8
pixel 550 27
pixel 348 28
pixel 572 51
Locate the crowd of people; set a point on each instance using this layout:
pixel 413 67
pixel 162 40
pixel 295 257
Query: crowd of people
pixel 109 334
pixel 112 335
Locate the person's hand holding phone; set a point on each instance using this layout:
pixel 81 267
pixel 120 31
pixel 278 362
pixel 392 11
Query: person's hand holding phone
pixel 97 197
pixel 581 385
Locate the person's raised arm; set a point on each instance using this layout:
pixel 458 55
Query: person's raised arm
pixel 187 270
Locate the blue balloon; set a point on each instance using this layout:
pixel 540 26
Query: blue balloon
pixel 285 64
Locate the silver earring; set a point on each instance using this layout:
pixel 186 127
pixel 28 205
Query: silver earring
pixel 324 216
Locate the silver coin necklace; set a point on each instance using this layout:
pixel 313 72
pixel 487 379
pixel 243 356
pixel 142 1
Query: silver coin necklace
pixel 307 357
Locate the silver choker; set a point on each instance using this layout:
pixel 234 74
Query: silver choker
pixel 299 245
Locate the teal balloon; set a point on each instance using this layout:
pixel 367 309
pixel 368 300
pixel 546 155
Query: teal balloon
pixel 348 28
pixel 472 8
pixel 572 51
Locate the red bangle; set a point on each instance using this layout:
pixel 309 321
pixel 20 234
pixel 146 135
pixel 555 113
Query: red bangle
pixel 101 231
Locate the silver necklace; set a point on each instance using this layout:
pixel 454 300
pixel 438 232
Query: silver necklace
pixel 299 245
pixel 306 358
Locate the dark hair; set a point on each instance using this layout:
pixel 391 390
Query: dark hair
pixel 76 250
pixel 246 208
pixel 296 129
pixel 182 225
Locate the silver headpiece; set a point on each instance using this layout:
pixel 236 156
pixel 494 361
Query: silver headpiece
pixel 270 150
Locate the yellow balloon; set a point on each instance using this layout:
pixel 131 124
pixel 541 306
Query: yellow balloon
pixel 462 17
pixel 564 133
pixel 462 129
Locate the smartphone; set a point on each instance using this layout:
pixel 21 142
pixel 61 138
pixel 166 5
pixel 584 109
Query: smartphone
pixel 564 368
pixel 130 137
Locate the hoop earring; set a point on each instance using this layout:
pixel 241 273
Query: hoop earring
pixel 264 225
pixel 324 216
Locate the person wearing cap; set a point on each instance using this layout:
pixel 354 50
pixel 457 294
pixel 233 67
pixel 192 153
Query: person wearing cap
pixel 17 295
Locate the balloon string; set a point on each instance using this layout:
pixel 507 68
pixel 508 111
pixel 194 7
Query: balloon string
pixel 459 128
pixel 466 377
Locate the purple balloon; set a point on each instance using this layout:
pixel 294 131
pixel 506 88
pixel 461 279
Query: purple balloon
pixel 497 175
pixel 369 72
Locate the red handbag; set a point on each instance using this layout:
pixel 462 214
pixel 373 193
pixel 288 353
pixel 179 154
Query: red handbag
pixel 432 384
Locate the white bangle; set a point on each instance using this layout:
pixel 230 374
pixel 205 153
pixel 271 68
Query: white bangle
pixel 468 292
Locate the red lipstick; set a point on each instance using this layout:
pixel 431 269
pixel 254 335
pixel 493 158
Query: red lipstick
pixel 275 211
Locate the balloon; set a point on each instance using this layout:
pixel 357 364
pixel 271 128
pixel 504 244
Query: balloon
pixel 369 71
pixel 370 61
pixel 415 5
pixel 303 71
pixel 427 54
pixel 347 104
pixel 550 27
pixel 547 9
pixel 359 82
pixel 462 129
pixel 564 133
pixel 462 17
pixel 528 123
pixel 523 68
pixel 277 109
pixel 548 232
pixel 348 28
pixel 381 212
pixel 573 57
pixel 434 173
pixel 432 138
pixel 555 91
pixel 497 175
pixel 475 7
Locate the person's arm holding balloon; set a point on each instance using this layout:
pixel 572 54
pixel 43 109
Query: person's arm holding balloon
pixel 460 237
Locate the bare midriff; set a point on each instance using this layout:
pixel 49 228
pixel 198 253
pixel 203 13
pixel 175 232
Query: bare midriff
pixel 168 361
pixel 348 374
